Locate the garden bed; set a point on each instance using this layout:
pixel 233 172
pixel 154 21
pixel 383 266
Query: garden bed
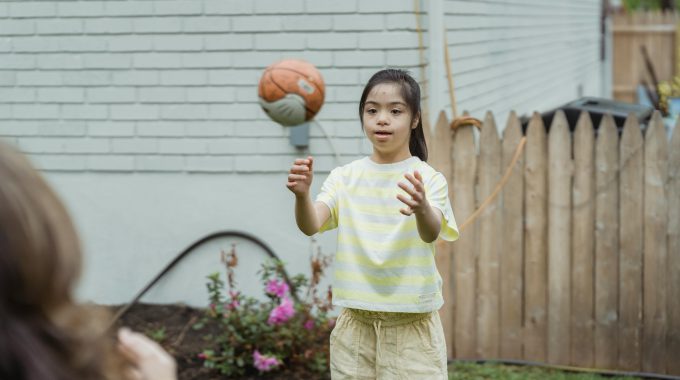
pixel 172 326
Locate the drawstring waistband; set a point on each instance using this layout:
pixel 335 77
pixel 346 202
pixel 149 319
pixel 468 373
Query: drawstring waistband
pixel 388 319
pixel 378 352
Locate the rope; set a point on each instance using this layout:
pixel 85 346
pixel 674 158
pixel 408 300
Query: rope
pixel 449 74
pixel 468 120
pixel 499 186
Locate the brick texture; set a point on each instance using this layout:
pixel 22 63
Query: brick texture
pixel 171 86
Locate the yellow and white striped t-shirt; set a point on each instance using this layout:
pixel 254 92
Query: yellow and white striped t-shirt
pixel 381 262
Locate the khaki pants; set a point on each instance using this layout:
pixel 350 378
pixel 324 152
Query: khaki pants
pixel 388 346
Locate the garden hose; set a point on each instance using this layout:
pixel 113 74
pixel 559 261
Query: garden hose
pixel 189 249
pixel 606 372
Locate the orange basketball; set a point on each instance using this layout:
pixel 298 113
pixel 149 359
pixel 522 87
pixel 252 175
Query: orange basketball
pixel 291 91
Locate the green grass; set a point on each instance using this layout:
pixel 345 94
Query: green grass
pixel 473 371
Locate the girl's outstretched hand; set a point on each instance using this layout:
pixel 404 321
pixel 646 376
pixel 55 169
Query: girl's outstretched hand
pixel 418 202
pixel 149 360
pixel 300 176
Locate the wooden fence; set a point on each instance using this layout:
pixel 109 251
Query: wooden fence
pixel 654 30
pixel 577 262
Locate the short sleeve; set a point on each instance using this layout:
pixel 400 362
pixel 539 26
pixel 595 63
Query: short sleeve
pixel 329 196
pixel 437 193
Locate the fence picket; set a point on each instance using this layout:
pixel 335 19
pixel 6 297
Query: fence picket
pixel 488 304
pixel 441 161
pixel 673 347
pixel 630 245
pixel 583 244
pixel 511 256
pixel 655 247
pixel 606 244
pixel 464 170
pixel 559 239
pixel 535 238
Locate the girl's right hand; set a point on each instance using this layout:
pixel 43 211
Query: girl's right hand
pixel 300 176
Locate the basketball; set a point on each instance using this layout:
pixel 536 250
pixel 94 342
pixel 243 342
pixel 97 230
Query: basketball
pixel 291 92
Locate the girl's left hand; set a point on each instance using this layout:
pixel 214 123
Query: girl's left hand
pixel 418 202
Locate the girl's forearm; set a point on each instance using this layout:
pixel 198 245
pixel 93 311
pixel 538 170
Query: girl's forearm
pixel 305 215
pixel 429 224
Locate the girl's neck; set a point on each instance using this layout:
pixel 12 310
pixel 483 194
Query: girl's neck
pixel 389 158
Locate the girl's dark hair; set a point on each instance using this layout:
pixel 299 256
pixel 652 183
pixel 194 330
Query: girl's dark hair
pixel 410 91
pixel 44 334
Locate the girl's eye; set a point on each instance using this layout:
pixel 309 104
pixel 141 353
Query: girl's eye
pixel 371 111
pixel 396 111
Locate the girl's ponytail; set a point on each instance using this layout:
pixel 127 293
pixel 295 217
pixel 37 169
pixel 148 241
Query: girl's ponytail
pixel 416 143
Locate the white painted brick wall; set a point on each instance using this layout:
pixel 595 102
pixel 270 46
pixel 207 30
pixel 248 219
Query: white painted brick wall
pixel 171 86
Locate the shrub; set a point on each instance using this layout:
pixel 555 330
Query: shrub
pixel 247 335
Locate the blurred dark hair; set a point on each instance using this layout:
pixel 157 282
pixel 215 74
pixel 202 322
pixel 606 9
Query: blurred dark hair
pixel 44 334
pixel 410 92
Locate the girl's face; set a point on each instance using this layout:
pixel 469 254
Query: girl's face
pixel 387 122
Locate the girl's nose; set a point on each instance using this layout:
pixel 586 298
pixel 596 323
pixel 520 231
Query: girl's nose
pixel 382 118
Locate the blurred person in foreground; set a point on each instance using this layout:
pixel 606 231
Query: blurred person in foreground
pixel 44 334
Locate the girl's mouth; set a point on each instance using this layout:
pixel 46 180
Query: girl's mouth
pixel 382 135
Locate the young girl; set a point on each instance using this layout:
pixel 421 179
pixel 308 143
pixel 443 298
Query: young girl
pixel 389 209
pixel 44 335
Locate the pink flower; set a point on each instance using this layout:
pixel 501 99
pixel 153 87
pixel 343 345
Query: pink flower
pixel 264 363
pixel 281 313
pixel 309 325
pixel 233 304
pixel 277 288
pixel 234 301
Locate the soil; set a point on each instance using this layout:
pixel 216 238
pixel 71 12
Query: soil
pixel 184 343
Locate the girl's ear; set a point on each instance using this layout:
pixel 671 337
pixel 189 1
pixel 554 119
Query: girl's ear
pixel 414 124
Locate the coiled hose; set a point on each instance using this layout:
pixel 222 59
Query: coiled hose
pixel 188 250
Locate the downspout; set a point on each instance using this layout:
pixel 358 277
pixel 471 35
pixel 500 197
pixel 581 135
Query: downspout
pixel 606 51
pixel 435 55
